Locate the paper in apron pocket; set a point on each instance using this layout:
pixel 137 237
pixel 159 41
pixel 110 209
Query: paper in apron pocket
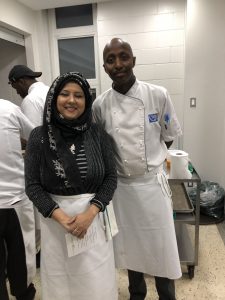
pixel 91 239
pixel 109 219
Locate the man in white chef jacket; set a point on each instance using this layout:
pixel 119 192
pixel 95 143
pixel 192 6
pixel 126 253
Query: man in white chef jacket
pixel 34 93
pixel 17 236
pixel 142 121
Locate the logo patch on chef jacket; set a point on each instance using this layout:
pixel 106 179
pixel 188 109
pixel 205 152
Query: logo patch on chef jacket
pixel 153 118
pixel 167 118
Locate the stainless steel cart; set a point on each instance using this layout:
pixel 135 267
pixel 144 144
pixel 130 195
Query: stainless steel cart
pixel 184 216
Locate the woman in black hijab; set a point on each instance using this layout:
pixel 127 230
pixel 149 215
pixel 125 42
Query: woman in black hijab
pixel 71 177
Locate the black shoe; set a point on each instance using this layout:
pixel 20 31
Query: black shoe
pixel 29 294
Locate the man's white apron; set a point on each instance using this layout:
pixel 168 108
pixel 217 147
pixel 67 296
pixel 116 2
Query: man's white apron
pixel 87 275
pixel 146 241
pixel 25 213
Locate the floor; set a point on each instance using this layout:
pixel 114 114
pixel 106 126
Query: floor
pixel 209 278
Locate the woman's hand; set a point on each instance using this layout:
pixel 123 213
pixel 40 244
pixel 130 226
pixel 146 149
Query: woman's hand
pixel 63 219
pixel 83 221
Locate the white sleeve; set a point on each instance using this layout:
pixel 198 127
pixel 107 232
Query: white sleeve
pixel 33 111
pixel 25 126
pixel 97 112
pixel 170 127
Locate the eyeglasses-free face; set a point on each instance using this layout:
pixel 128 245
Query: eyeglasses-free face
pixel 71 101
pixel 119 62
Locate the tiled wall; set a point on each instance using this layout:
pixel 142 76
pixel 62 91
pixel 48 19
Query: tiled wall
pixel 156 31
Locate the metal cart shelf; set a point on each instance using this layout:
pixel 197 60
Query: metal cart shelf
pixel 186 214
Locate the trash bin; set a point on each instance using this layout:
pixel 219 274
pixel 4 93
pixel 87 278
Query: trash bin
pixel 211 202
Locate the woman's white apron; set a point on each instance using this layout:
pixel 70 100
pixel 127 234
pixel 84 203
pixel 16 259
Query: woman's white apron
pixel 146 241
pixel 84 276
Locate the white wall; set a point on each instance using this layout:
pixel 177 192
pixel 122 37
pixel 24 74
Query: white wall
pixel 204 126
pixel 42 47
pixel 33 25
pixel 17 16
pixel 155 30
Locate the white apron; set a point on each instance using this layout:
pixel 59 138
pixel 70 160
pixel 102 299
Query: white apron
pixel 25 213
pixel 146 241
pixel 87 275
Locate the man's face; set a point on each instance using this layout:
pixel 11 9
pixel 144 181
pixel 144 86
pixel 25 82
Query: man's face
pixel 19 86
pixel 119 62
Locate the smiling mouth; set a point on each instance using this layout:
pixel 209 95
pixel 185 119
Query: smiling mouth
pixel 71 109
pixel 120 74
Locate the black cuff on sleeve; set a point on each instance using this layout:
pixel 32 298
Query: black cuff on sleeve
pixel 56 206
pixel 98 203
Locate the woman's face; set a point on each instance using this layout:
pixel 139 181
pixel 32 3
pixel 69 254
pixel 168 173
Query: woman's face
pixel 71 101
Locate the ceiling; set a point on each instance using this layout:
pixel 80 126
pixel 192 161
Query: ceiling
pixel 46 4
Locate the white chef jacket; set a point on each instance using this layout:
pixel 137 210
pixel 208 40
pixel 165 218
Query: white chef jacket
pixel 146 111
pixel 141 122
pixel 33 104
pixel 13 125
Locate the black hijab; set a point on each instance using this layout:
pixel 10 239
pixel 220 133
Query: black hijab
pixel 59 164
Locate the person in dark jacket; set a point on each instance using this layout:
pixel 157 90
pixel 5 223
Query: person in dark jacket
pixel 70 177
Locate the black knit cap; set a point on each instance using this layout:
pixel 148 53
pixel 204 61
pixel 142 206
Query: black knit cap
pixel 20 71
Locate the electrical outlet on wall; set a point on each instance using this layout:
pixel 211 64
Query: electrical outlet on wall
pixel 192 102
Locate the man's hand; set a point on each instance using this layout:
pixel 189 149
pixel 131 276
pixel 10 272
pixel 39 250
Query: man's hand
pixel 168 144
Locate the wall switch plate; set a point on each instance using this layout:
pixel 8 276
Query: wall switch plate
pixel 192 102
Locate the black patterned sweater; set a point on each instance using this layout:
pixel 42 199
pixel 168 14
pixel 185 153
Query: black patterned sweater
pixel 101 177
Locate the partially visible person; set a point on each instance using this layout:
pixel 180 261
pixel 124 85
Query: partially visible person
pixel 70 177
pixel 17 238
pixel 33 93
pixel 141 118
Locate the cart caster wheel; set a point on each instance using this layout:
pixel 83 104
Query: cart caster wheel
pixel 191 271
